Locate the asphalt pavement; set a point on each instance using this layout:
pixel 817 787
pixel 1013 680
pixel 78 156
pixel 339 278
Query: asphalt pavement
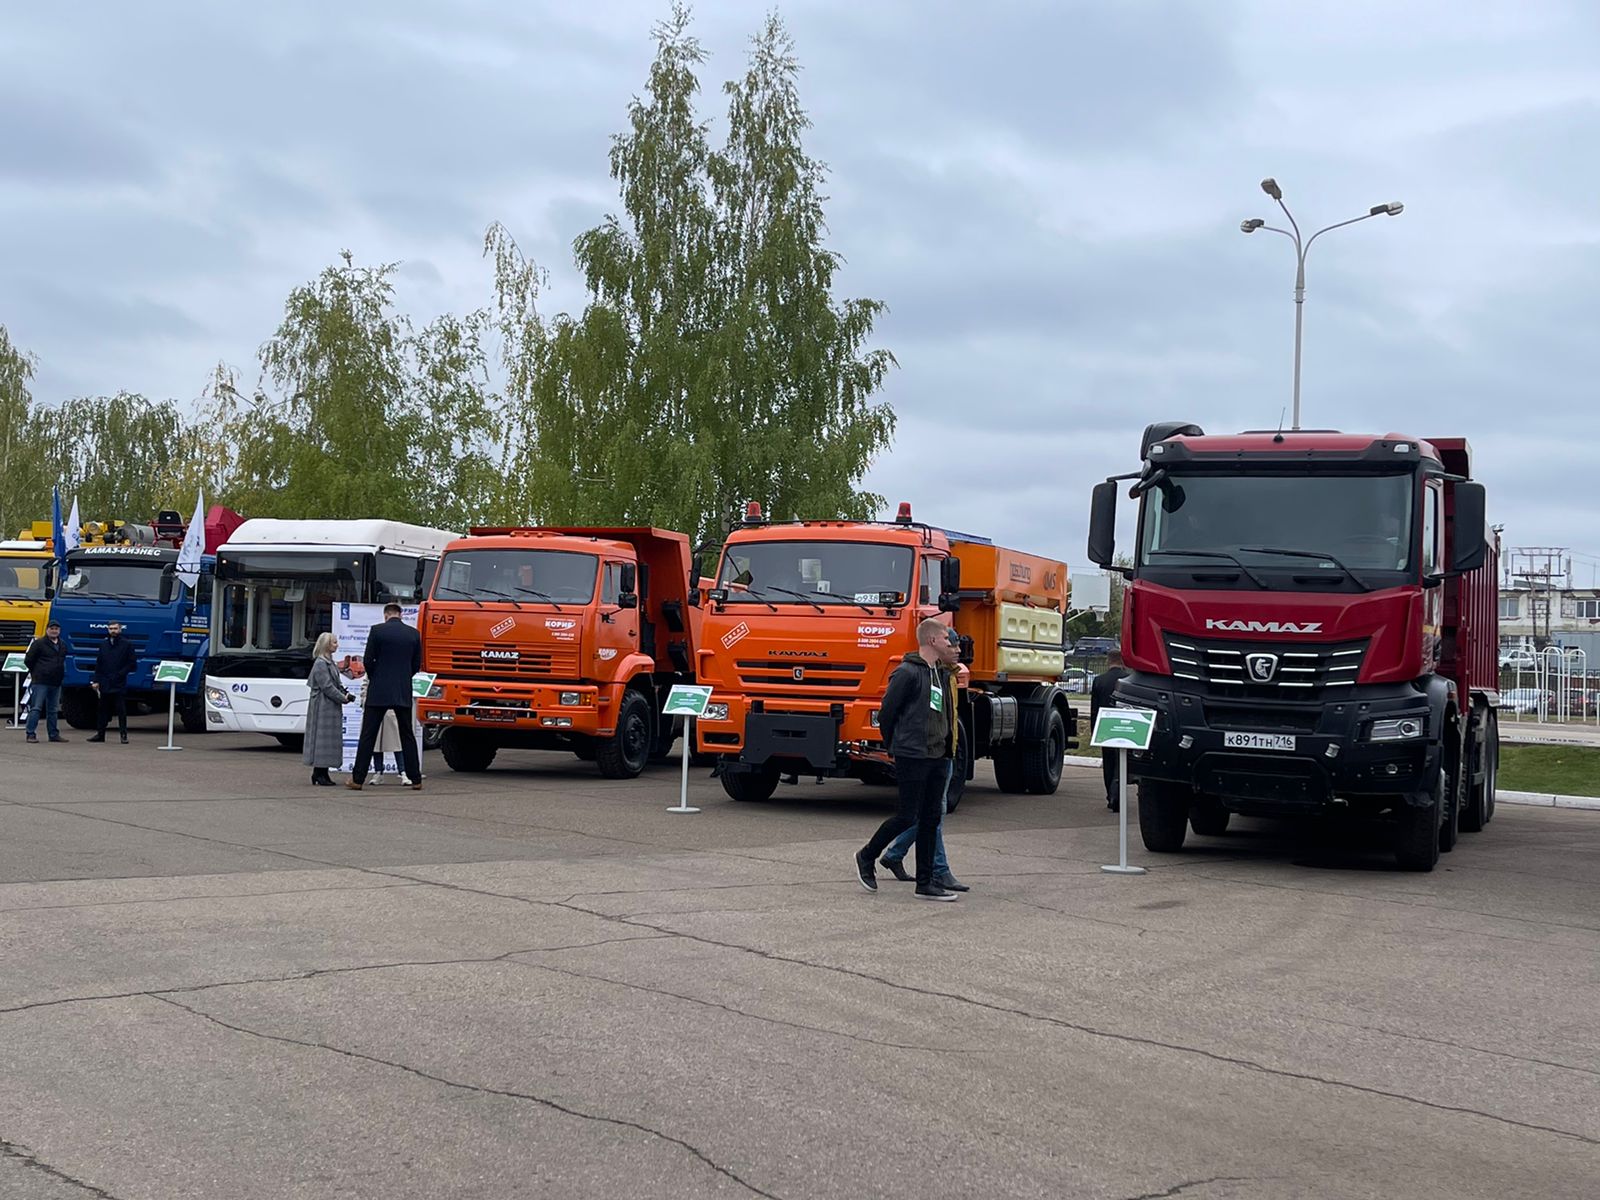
pixel 219 982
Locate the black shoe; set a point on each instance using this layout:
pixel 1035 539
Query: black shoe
pixel 1113 806
pixel 930 892
pixel 124 739
pixel 897 868
pixel 949 883
pixel 99 737
pixel 32 739
pixel 60 739
pixel 864 871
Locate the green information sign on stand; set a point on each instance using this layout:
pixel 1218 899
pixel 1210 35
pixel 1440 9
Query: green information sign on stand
pixel 686 700
pixel 173 672
pixel 1123 729
pixel 15 662
pixel 420 683
pixel 16 667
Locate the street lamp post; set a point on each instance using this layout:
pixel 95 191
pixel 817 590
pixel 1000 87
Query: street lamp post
pixel 1270 186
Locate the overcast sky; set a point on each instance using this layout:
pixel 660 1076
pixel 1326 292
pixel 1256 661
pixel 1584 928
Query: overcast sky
pixel 1046 195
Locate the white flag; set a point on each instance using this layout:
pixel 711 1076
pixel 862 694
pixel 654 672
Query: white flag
pixel 70 536
pixel 194 545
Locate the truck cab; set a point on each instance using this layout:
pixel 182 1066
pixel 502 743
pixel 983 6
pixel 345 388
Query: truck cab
pixel 558 639
pixel 27 581
pixel 1312 616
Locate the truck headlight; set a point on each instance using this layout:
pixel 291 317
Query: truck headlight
pixel 218 698
pixel 716 712
pixel 571 698
pixel 872 718
pixel 436 692
pixel 1400 729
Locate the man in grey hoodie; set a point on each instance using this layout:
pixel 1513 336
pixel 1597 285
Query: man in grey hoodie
pixel 917 720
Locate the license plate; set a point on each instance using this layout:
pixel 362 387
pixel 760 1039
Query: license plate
pixel 1258 741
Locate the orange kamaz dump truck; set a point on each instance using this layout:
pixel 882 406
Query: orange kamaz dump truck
pixel 804 623
pixel 558 639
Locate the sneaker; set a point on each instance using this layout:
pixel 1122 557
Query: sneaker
pixel 935 893
pixel 60 739
pixel 897 868
pixel 124 739
pixel 33 740
pixel 864 871
pixel 99 737
pixel 949 883
pixel 375 780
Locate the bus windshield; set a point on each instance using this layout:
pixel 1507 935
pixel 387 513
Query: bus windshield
pixel 519 576
pixel 270 603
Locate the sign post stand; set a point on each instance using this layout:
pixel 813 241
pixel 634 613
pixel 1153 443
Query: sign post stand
pixel 172 674
pixel 1123 729
pixel 16 666
pixel 688 701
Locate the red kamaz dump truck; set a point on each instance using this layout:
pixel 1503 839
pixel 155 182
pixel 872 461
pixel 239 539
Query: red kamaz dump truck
pixel 1313 617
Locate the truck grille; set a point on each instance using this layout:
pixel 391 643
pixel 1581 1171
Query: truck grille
pixel 532 662
pixel 86 646
pixel 780 675
pixel 16 633
pixel 1254 671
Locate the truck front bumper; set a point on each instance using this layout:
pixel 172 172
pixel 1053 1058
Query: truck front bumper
pixel 521 708
pixel 750 732
pixel 1332 755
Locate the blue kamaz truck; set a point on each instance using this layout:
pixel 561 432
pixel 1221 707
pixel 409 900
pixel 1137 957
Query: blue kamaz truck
pixel 162 617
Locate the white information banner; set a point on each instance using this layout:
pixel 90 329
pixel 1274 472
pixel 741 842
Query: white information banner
pixel 351 625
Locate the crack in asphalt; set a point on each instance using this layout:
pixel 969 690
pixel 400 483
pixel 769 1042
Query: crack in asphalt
pixel 1417 1037
pixel 29 1159
pixel 315 972
pixel 1178 1188
pixel 504 1093
pixel 33 908
pixel 1110 1035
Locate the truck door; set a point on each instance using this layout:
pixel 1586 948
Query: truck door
pixel 1432 564
pixel 617 630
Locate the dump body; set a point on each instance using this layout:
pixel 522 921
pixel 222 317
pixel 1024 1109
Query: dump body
pixel 1313 616
pixel 553 638
pixel 805 623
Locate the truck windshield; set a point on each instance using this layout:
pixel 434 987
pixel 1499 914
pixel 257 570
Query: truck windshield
pixel 23 578
pixel 523 576
pixel 788 572
pixel 113 580
pixel 267 603
pixel 1360 521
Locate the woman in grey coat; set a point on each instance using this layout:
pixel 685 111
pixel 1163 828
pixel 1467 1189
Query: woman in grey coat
pixel 324 744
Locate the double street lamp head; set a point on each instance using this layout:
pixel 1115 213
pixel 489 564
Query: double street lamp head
pixel 1393 209
pixel 1270 186
pixel 1250 226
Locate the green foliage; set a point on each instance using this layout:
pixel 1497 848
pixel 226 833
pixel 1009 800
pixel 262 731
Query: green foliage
pixel 712 364
pixel 20 461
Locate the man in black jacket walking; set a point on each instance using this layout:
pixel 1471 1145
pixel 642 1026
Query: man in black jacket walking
pixel 112 666
pixel 1100 692
pixel 393 656
pixel 47 667
pixel 918 722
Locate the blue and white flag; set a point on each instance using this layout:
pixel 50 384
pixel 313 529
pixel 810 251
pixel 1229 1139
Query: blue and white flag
pixel 73 536
pixel 194 545
pixel 57 537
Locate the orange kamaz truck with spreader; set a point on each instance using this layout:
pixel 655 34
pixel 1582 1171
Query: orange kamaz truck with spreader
pixel 558 639
pixel 804 623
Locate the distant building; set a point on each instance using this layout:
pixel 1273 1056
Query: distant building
pixel 1565 617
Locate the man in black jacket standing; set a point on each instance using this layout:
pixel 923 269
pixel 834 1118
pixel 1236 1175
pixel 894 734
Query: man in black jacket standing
pixel 1100 692
pixel 114 662
pixel 47 667
pixel 393 656
pixel 918 722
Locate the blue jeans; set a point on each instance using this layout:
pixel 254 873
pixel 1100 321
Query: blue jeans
pixel 901 846
pixel 45 697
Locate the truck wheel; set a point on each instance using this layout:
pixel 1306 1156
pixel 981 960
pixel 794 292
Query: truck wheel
pixel 624 754
pixel 466 750
pixel 1416 845
pixel 1009 776
pixel 193 715
pixel 1480 754
pixel 1454 794
pixel 1163 815
pixel 1208 816
pixel 1042 761
pixel 958 772
pixel 752 785
pixel 78 707
pixel 1492 779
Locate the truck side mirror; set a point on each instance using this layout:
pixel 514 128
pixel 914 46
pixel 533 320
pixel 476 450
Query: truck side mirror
pixel 628 597
pixel 1469 540
pixel 950 576
pixel 1103 524
pixel 169 586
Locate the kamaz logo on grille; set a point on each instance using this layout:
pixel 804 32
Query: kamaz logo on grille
pixel 1265 626
pixel 508 624
pixel 502 655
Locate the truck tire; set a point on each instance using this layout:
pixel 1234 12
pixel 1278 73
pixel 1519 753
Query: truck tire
pixel 958 772
pixel 1009 776
pixel 1481 755
pixel 466 750
pixel 78 708
pixel 1208 816
pixel 752 785
pixel 291 741
pixel 1454 794
pixel 1042 760
pixel 1163 815
pixel 193 715
pixel 625 753
pixel 1416 843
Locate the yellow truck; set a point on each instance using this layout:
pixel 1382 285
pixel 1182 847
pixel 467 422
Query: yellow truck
pixel 27 579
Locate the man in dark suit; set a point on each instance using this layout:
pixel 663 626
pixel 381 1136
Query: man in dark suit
pixel 113 663
pixel 1099 697
pixel 393 656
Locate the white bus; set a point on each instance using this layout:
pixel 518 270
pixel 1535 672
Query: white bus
pixel 276 586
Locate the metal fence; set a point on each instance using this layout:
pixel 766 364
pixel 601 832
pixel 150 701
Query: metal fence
pixel 1551 685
